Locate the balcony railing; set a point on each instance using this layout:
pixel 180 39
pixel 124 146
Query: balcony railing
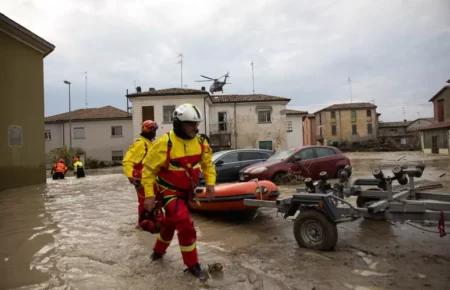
pixel 220 127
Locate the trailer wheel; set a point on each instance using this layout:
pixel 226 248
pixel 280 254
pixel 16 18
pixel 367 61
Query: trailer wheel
pixel 313 230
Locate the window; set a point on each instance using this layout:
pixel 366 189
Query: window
pixel 148 113
pixel 265 145
pixel 47 135
pixel 116 131
pixel 306 154
pixel 333 130
pixel 230 157
pixel 324 152
pixel 369 129
pixel 222 118
pixel 440 110
pixel 353 116
pixel 168 114
pixel 78 133
pixel 252 155
pixel 320 132
pixel 117 156
pixel 264 116
pixel 320 118
pixel 289 126
pixel 333 116
pixel 369 115
pixel 354 131
pixel 15 135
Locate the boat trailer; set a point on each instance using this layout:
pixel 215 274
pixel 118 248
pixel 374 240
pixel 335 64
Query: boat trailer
pixel 320 206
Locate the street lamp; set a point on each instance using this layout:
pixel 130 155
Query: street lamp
pixel 70 119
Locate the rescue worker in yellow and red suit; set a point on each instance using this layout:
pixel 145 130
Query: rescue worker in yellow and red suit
pixel 174 165
pixel 132 168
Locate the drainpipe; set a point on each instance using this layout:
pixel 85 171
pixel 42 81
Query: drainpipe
pixel 204 110
pixel 235 127
pixel 64 143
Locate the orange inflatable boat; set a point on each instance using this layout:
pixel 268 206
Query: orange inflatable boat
pixel 230 196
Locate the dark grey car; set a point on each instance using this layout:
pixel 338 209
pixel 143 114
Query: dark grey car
pixel 230 162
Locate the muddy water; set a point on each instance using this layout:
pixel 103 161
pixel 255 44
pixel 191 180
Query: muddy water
pixel 80 234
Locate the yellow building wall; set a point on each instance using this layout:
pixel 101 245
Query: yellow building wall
pixel 343 122
pixel 22 97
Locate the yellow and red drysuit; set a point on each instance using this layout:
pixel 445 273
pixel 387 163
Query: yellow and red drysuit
pixel 174 166
pixel 132 168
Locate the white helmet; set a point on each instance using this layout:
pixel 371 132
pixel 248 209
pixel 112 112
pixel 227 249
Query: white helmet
pixel 187 113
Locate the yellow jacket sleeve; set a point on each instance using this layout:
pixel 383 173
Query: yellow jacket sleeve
pixel 155 159
pixel 134 155
pixel 208 167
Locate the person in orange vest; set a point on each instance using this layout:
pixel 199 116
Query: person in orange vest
pixel 132 168
pixel 59 169
pixel 173 168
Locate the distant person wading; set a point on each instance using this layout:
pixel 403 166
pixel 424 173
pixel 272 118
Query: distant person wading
pixel 78 168
pixel 59 169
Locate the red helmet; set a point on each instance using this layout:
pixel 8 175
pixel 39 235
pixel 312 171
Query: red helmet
pixel 149 126
pixel 61 160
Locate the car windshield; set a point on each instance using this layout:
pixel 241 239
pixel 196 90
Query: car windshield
pixel 281 155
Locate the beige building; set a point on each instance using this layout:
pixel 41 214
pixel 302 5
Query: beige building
pixel 350 123
pixel 436 136
pixel 22 111
pixel 233 121
pixel 104 134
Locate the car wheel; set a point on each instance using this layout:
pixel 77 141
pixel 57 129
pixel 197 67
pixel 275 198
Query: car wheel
pixel 279 178
pixel 338 172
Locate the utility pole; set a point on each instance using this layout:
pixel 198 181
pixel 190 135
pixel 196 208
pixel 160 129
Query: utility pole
pixel 85 90
pixel 181 63
pixel 253 77
pixel 351 92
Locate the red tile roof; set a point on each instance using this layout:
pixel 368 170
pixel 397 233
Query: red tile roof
pixel 91 114
pixel 246 98
pixel 348 106
pixel 394 124
pixel 169 92
pixel 294 112
pixel 437 125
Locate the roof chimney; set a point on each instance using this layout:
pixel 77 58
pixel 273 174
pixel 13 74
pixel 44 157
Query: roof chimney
pixel 138 89
pixel 151 89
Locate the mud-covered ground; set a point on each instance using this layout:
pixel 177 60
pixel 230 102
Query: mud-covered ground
pixel 80 234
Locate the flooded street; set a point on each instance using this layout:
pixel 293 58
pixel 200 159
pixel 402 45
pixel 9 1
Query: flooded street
pixel 81 234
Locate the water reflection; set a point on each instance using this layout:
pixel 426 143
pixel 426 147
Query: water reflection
pixel 26 237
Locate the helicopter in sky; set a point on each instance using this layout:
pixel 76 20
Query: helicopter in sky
pixel 217 85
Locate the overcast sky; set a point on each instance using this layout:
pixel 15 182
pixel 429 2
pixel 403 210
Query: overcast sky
pixel 396 53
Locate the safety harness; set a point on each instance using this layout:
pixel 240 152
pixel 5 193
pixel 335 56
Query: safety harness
pixel 188 169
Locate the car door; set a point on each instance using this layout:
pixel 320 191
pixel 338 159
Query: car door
pixel 304 160
pixel 226 166
pixel 325 161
